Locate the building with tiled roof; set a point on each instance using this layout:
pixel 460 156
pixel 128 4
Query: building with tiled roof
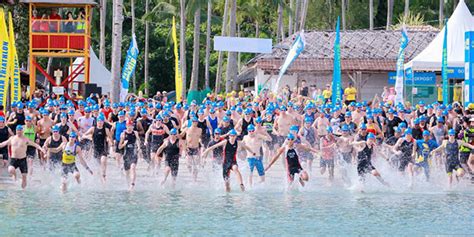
pixel 366 59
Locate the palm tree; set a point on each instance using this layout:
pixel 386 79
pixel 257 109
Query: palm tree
pixel 195 69
pixel 103 17
pixel 280 22
pixel 371 14
pixel 407 8
pixel 147 36
pixel 182 44
pixel 116 48
pixel 208 43
pixel 290 18
pixel 231 71
pixel 304 10
pixel 297 15
pixel 441 13
pixel 390 13
pixel 343 14
pixel 220 57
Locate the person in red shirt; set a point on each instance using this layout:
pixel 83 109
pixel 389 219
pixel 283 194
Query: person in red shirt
pixel 107 109
pixel 55 17
pixel 44 24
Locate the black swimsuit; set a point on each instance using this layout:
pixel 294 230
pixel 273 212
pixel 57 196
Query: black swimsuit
pixel 293 163
pixel 172 157
pixel 230 158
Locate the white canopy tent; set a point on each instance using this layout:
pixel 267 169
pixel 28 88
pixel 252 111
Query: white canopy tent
pixel 430 58
pixel 99 74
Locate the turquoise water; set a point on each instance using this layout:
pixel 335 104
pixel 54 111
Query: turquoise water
pixel 273 212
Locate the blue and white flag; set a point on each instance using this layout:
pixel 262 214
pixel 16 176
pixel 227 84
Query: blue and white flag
pixel 295 51
pixel 444 64
pixel 129 67
pixel 400 79
pixel 336 76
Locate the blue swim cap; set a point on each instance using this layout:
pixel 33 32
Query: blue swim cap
pixel 370 116
pixel 250 128
pixel 87 109
pixel 452 132
pixel 194 119
pixel 348 113
pixel 248 111
pixel 402 125
pixel 421 103
pixel 63 115
pixel 55 128
pixel 440 119
pixel 283 108
pixel 408 131
pixel 426 133
pixel 173 131
pixel 233 132
pixel 308 120
pixel 258 120
pixel 290 136
pixel 345 128
pixel 2 119
pixel 397 129
pixel 416 121
pixel 370 136
pixel 391 111
pixel 73 135
pixel 121 113
pixel 101 118
pixel 217 131
pixel 28 118
pixel 225 119
pixel 212 111
pixel 158 117
pixel 363 126
pixel 143 111
pixel 294 128
pixel 329 129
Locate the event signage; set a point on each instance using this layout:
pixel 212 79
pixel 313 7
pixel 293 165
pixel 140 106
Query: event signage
pixel 400 72
pixel 336 76
pixel 469 68
pixel 419 78
pixel 129 67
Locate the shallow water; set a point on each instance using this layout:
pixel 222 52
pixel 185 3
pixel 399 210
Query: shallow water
pixel 266 209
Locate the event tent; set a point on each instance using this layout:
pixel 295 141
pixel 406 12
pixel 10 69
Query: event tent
pixel 430 58
pixel 99 74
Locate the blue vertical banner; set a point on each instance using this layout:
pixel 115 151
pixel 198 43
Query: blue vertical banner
pixel 129 67
pixel 469 68
pixel 400 72
pixel 295 51
pixel 336 76
pixel 444 64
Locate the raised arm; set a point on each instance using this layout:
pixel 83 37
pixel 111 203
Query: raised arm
pixel 275 158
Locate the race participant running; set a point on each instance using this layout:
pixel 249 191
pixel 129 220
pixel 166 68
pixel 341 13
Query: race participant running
pixel 171 149
pixel 293 165
pixel 308 135
pixel 230 158
pixel 217 157
pixel 18 145
pixel 254 141
pixel 5 134
pixel 130 141
pixel 424 147
pixel 30 133
pixel 365 150
pixel 71 152
pixel 158 131
pixel 193 137
pixel 100 137
pixel 451 149
pixel 52 146
pixel 117 130
pixel 405 148
pixel 44 130
pixel 328 152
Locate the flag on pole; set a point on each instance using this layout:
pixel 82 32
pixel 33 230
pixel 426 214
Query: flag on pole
pixel 129 67
pixel 295 51
pixel 444 64
pixel 336 76
pixel 14 69
pixel 3 59
pixel 400 79
pixel 177 72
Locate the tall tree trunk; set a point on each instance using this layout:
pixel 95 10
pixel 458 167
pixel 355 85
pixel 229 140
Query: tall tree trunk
pixel 182 44
pixel 297 15
pixel 455 4
pixel 280 21
pixel 389 13
pixel 290 18
pixel 195 69
pixel 238 54
pixel 132 9
pixel 220 57
pixel 116 49
pixel 304 10
pixel 208 43
pixel 407 8
pixel 103 17
pixel 147 36
pixel 441 13
pixel 343 14
pixel 371 14
pixel 231 71
pixel 257 18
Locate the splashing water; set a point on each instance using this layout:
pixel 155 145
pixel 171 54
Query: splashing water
pixel 203 208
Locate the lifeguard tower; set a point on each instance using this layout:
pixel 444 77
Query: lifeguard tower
pixel 60 29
